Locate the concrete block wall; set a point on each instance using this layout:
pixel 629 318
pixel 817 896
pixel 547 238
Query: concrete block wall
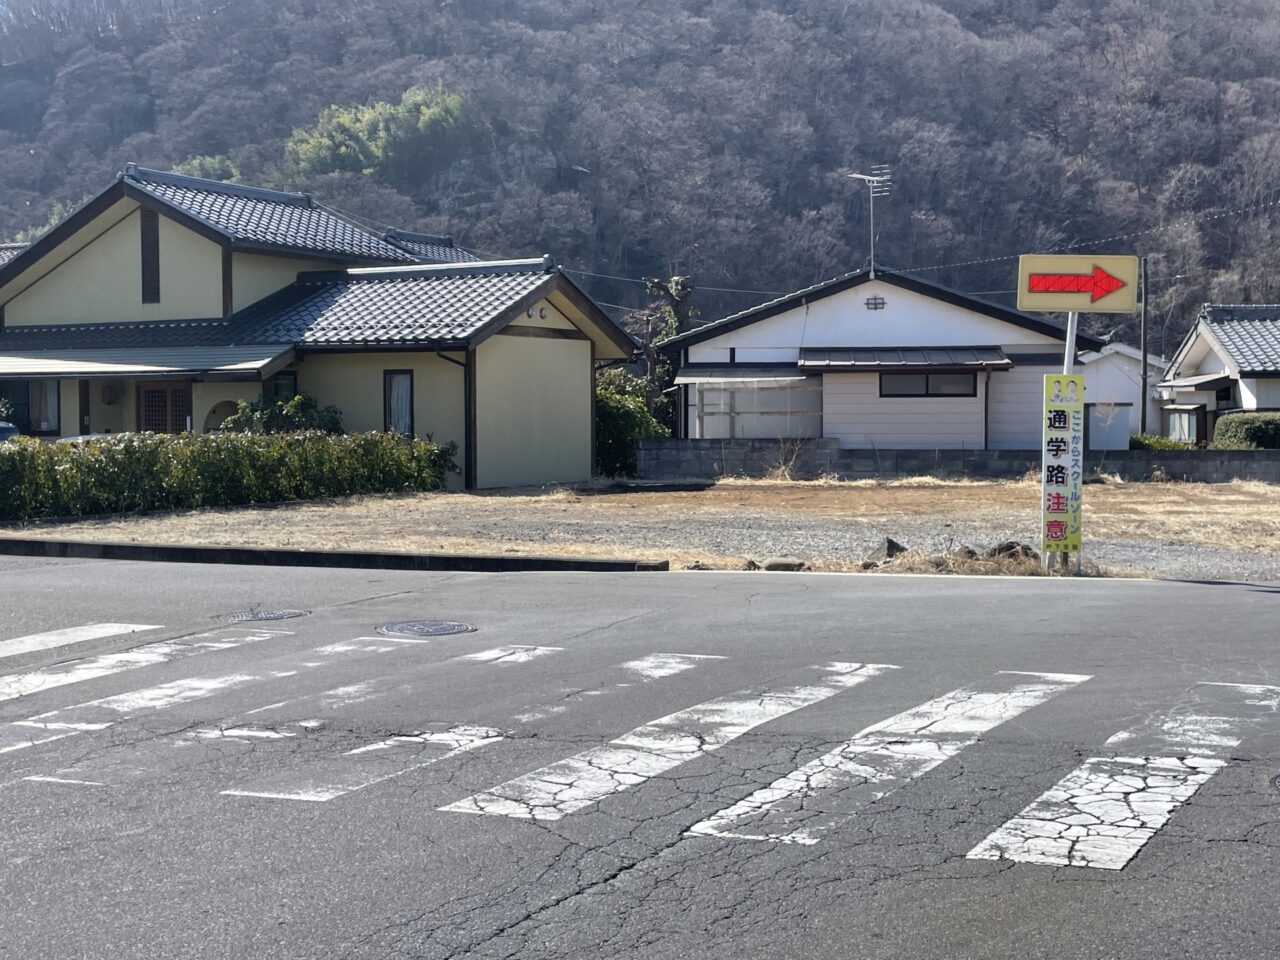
pixel 810 459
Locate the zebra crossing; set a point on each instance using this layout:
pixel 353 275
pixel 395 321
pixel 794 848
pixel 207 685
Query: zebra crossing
pixel 1098 815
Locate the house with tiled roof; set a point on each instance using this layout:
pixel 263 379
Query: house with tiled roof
pixel 1228 362
pixel 878 359
pixel 167 299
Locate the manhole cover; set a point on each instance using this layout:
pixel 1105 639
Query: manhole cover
pixel 425 628
pixel 253 616
pixel 1275 781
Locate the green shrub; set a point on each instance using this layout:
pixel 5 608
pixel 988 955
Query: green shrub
pixel 621 420
pixel 147 471
pixel 1247 431
pixel 1153 441
pixel 284 416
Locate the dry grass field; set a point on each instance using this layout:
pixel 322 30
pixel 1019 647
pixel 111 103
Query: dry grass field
pixel 829 524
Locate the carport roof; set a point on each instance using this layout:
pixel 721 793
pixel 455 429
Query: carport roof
pixel 225 362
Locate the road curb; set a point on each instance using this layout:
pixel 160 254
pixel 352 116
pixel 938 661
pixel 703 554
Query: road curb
pixel 356 559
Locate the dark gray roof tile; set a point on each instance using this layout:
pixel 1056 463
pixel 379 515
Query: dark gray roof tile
pixel 1249 334
pixel 430 248
pixel 288 221
pixel 387 307
pixel 107 336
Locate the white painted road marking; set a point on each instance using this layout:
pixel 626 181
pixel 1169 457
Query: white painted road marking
pixel 91 668
pixel 579 781
pixel 512 654
pixel 61 638
pixel 659 665
pixel 74 783
pixel 645 670
pixel 369 765
pixel 1103 813
pixel 108 711
pixel 817 797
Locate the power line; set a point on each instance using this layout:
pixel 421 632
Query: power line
pixel 1203 218
pixel 697 286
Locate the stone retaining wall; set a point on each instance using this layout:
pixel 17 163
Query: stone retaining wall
pixel 810 459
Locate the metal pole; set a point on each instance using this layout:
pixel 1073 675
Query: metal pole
pixel 871 194
pixel 1143 401
pixel 1068 366
pixel 1069 353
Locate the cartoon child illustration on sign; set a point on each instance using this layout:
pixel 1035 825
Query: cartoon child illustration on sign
pixel 1057 392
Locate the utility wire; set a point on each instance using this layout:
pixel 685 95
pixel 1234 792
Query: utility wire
pixel 1203 218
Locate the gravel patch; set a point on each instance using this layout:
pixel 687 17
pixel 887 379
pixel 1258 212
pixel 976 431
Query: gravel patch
pixel 1136 529
pixel 836 540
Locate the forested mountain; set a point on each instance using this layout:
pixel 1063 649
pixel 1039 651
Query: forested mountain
pixel 709 138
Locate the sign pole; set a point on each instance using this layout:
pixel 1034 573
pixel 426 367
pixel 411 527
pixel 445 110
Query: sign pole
pixel 1068 367
pixel 1144 401
pixel 1070 283
pixel 1069 352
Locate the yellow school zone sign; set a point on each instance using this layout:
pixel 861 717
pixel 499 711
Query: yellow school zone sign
pixel 1062 469
pixel 1062 283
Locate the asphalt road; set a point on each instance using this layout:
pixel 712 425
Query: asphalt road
pixel 644 765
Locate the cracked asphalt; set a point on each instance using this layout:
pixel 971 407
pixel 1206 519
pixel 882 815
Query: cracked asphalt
pixel 540 801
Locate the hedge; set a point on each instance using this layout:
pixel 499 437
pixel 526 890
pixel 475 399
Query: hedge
pixel 1247 431
pixel 147 471
pixel 1153 441
pixel 621 419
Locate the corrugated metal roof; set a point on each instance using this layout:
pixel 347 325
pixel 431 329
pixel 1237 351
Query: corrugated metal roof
pixel 1206 381
pixel 879 358
pixel 1249 334
pixel 290 221
pixel 390 307
pixel 227 360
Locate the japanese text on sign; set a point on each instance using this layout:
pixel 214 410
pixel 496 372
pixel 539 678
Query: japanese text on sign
pixel 1062 478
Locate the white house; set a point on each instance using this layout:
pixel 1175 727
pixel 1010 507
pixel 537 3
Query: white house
pixel 1229 361
pixel 1116 371
pixel 885 361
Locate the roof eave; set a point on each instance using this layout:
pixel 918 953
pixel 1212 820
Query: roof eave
pixel 848 282
pixel 453 345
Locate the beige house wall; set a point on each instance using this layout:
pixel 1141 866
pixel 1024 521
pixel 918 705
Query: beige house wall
pixel 104 417
pixel 533 411
pixel 543 315
pixel 254 276
pixel 207 395
pixel 69 408
pixel 101 281
pixel 352 382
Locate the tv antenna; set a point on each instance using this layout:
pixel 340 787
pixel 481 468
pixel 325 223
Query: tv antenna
pixel 879 183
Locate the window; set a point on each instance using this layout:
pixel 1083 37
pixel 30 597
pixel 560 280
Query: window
pixel 397 401
pixel 37 406
pixel 150 221
pixel 1224 394
pixel 783 410
pixel 928 384
pixel 283 386
pixel 164 407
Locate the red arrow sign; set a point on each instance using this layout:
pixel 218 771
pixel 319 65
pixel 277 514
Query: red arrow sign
pixel 1097 284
